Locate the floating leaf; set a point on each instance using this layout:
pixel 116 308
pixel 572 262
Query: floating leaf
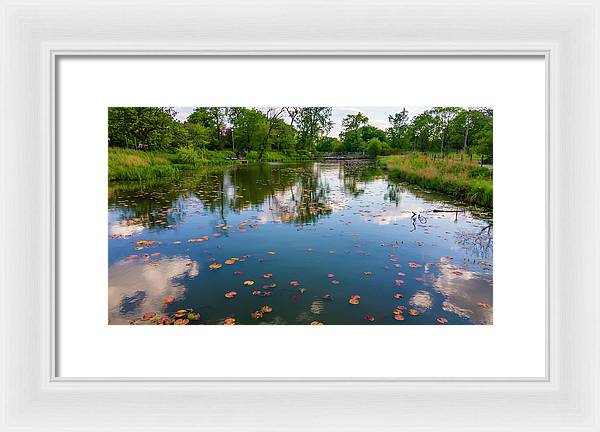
pixel 231 261
pixel 367 273
pixel 148 315
pixel 399 317
pixel 413 312
pixel 302 290
pixel 442 320
pixel 182 321
pixel 335 282
pixel 316 323
pixel 266 309
pixel 414 265
pixel 215 266
pixel 229 321
pixel 401 274
pixel 194 316
pixel 181 313
pixel 294 283
pixel 398 296
pixel 248 282
pixel 237 273
pixel 398 281
pixel 169 300
pixel 256 315
pixel 355 299
pixel 230 294
pixel 369 317
pixel 327 297
pixel 267 275
pixel 330 275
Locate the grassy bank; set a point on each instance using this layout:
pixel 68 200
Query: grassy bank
pixel 465 180
pixel 126 164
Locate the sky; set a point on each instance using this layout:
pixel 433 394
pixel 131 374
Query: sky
pixel 378 116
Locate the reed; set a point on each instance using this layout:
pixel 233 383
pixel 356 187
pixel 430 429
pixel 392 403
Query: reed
pixel 465 180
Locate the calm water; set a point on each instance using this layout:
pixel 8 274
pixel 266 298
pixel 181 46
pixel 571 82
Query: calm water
pixel 308 237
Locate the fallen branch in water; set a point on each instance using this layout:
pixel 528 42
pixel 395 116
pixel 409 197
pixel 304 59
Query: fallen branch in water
pixel 448 211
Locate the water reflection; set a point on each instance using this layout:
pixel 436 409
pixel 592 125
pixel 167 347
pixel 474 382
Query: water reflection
pixel 296 222
pixel 466 293
pixel 136 285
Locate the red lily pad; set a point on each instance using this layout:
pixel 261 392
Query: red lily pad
pixel 148 315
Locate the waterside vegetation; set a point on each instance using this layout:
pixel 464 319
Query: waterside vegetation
pixel 442 148
pixel 454 175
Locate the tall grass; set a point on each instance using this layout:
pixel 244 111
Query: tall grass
pixel 465 180
pixel 126 164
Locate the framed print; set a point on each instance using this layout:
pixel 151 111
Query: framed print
pixel 219 210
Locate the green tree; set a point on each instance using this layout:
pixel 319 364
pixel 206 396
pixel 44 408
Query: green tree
pixel 351 125
pixel 283 137
pixel 367 132
pixel 148 127
pixel 312 123
pixel 272 115
pixel 199 136
pixel 327 144
pixel 442 117
pixel 249 128
pixel 374 147
pixel 398 128
pixel 212 118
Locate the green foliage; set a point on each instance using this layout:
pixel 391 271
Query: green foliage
pixel 374 147
pixel 294 129
pixel 465 179
pixel 126 164
pixel 328 144
pixel 351 134
pixel 152 128
pixel 312 123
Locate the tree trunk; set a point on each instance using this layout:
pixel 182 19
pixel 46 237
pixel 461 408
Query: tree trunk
pixel 466 138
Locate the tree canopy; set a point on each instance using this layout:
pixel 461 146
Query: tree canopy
pixel 301 130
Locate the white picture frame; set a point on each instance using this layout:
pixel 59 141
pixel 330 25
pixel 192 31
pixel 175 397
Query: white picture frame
pixel 35 34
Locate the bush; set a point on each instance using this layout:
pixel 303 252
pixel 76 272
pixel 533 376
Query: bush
pixel 373 147
pixel 188 156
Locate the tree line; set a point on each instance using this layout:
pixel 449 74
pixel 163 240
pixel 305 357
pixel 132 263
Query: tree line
pixel 300 130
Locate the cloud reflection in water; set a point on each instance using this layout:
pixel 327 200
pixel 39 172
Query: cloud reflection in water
pixel 136 285
pixel 465 291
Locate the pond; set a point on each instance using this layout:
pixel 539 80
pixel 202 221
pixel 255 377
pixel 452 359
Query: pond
pixel 303 243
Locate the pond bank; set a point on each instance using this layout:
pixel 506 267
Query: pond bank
pixel 128 164
pixel 465 180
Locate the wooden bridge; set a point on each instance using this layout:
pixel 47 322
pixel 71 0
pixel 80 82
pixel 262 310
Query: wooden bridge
pixel 343 156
